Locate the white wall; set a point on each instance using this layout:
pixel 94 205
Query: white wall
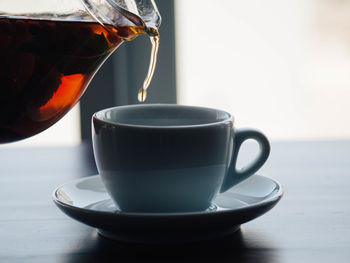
pixel 278 65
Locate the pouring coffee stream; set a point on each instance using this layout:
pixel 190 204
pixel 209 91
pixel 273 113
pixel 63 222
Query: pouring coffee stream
pixel 149 25
pixel 142 94
pixel 47 59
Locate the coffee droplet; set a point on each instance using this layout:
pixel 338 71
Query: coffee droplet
pixel 142 95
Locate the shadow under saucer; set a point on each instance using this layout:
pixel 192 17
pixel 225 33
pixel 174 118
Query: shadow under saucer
pixel 237 247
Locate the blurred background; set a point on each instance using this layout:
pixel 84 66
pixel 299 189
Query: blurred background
pixel 278 65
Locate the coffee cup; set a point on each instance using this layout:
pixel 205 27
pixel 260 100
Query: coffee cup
pixel 163 158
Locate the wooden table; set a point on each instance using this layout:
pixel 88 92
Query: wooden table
pixel 310 224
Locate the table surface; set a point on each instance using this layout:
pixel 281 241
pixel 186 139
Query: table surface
pixel 310 224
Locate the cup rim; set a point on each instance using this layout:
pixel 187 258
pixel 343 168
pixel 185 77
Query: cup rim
pixel 229 119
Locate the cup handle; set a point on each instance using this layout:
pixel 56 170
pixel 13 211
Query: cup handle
pixel 234 176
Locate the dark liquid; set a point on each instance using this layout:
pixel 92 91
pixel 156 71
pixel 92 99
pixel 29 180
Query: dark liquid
pixel 45 66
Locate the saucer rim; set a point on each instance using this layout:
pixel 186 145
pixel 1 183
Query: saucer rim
pixel 273 198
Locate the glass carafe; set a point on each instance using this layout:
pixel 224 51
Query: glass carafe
pixel 50 51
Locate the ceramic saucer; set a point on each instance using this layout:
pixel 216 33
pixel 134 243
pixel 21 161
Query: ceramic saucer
pixel 87 201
